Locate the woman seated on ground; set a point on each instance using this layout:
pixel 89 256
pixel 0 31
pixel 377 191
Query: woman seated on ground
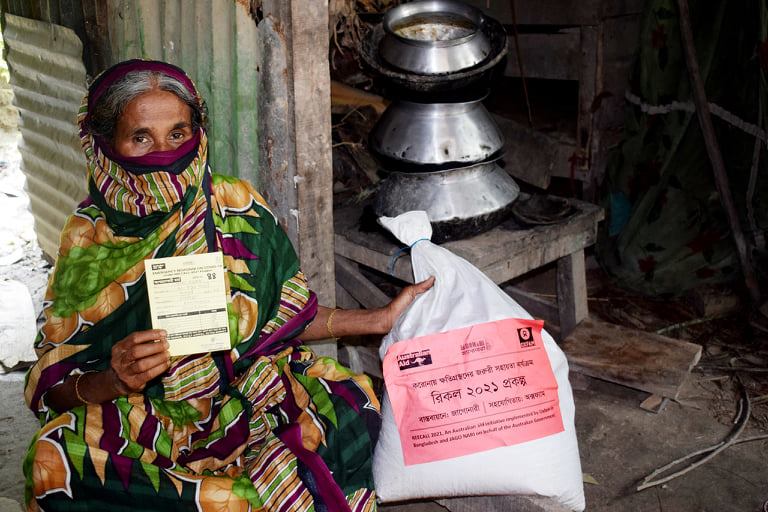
pixel 265 425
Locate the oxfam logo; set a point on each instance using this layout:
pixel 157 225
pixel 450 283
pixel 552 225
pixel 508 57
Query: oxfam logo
pixel 525 335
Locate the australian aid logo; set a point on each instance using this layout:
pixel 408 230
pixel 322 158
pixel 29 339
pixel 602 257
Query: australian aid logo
pixel 414 359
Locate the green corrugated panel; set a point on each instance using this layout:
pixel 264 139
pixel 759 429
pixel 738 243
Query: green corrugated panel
pixel 215 41
pixel 48 79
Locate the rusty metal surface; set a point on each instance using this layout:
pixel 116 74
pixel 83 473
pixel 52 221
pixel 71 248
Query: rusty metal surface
pixel 216 42
pixel 82 16
pixel 48 79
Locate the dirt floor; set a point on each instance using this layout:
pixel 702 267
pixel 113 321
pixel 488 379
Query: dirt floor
pixel 619 442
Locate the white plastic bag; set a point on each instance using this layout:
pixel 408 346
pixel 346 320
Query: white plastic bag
pixel 463 296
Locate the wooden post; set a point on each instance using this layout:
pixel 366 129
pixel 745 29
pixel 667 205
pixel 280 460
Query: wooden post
pixel 295 135
pixel 571 291
pixel 589 88
pixel 713 151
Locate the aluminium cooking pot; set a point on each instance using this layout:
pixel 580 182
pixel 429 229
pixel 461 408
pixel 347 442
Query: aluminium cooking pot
pixel 434 37
pixel 436 134
pixel 459 202
pixel 417 83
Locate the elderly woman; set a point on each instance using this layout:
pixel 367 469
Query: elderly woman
pixel 265 425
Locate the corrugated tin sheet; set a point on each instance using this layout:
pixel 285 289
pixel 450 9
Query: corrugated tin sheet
pixel 48 79
pixel 216 43
pixel 82 16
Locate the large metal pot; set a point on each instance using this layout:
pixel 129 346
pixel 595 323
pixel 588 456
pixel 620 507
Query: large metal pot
pixel 436 134
pixel 434 37
pixel 460 202
pixel 420 83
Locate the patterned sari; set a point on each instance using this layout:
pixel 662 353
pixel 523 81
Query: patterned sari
pixel 266 425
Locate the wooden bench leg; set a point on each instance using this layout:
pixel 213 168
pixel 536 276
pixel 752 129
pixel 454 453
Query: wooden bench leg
pixel 361 359
pixel 571 292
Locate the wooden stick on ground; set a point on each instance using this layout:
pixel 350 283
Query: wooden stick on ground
pixel 713 150
pixel 750 439
pixel 754 369
pixel 688 323
pixel 745 410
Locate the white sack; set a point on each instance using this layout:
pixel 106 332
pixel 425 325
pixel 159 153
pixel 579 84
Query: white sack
pixel 463 296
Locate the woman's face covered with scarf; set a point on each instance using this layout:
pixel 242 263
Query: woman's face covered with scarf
pixel 154 121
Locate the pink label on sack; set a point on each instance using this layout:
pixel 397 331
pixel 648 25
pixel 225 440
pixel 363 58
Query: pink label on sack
pixel 472 389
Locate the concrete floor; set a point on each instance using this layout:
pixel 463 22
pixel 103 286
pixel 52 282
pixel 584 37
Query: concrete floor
pixel 619 444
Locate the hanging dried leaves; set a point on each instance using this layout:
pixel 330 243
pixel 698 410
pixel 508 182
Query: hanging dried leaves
pixel 344 23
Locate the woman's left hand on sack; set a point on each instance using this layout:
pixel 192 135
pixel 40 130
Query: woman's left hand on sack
pixel 335 323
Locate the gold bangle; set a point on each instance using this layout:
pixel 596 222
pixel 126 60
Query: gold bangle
pixel 329 323
pixel 77 390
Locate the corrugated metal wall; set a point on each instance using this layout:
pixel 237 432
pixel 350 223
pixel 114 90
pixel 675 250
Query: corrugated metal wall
pixel 48 79
pixel 216 42
pixel 85 17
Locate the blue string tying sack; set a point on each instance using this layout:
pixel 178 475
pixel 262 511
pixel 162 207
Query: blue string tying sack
pixel 400 252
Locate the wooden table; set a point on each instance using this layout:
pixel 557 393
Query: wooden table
pixel 503 253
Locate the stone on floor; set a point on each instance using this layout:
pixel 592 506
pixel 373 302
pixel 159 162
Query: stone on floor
pixel 17 427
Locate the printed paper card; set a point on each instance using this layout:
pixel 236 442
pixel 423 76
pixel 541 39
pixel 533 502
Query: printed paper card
pixel 187 298
pixel 472 389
